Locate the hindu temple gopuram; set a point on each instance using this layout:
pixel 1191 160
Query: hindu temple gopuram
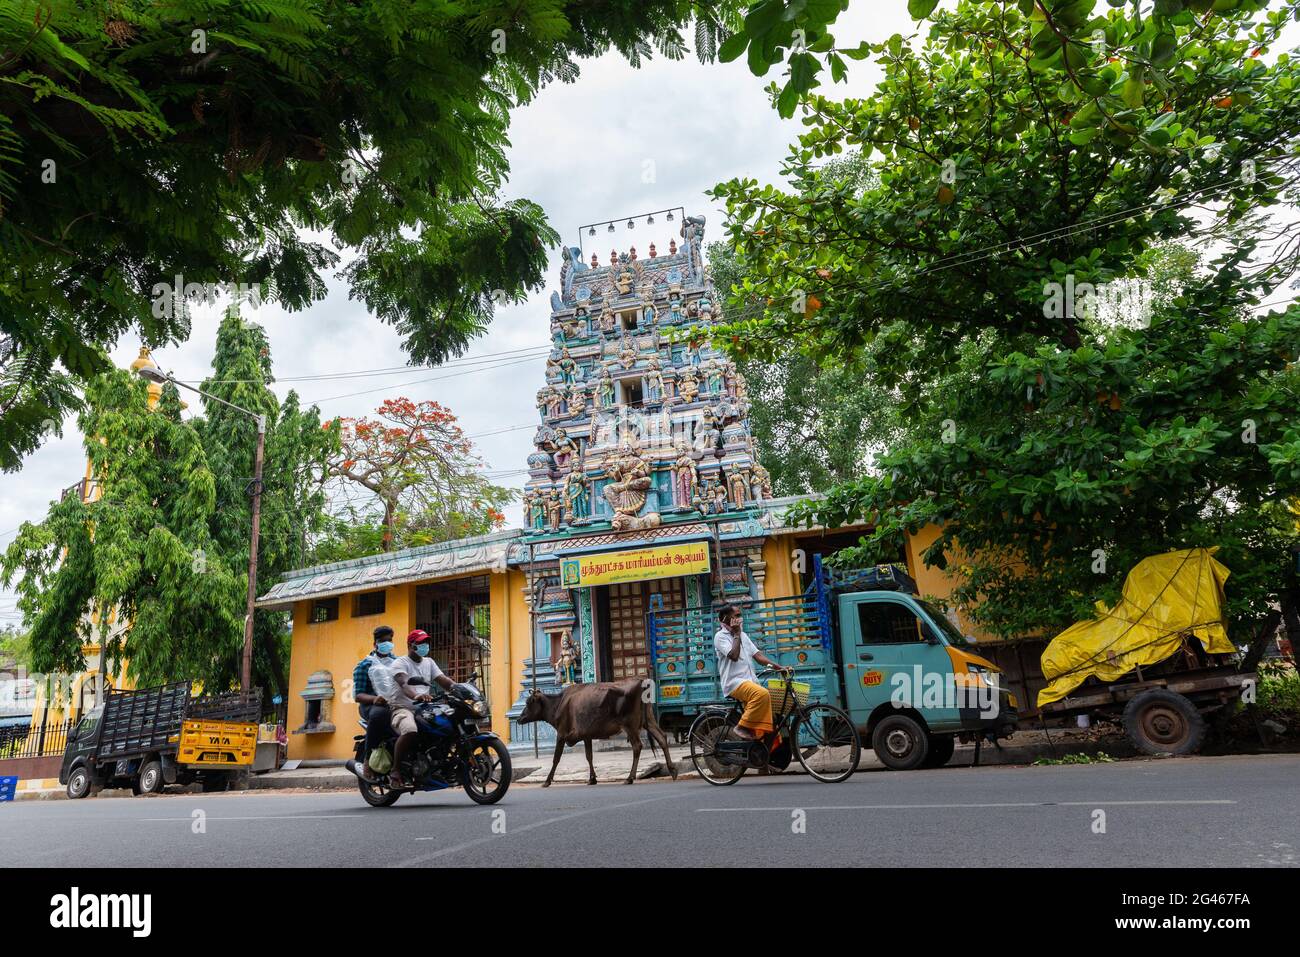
pixel 644 488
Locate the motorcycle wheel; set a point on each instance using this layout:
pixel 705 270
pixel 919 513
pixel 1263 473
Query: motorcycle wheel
pixel 485 775
pixel 376 795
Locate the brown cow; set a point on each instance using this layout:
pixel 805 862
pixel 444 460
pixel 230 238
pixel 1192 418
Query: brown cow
pixel 582 712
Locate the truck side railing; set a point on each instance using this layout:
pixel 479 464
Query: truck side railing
pixel 794 631
pixel 137 722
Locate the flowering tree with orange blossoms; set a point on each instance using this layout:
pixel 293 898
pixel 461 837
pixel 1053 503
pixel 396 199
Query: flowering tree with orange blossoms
pixel 423 472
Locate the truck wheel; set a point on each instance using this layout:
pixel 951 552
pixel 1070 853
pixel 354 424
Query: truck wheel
pixel 79 783
pixel 1164 722
pixel 900 742
pixel 941 748
pixel 151 778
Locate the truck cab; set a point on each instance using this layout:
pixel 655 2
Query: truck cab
pixel 78 771
pixel 911 681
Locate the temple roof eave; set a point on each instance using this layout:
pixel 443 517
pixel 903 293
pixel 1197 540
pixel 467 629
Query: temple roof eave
pixel 453 559
pixel 495 552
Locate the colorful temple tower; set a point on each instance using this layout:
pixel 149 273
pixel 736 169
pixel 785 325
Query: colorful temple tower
pixel 644 490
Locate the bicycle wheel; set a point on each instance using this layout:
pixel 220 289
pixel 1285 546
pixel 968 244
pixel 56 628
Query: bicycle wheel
pixel 707 730
pixel 826 743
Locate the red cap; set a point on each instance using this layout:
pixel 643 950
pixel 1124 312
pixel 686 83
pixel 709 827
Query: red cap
pixel 417 636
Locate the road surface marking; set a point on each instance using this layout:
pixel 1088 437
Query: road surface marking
pixel 931 807
pixel 527 827
pixel 255 817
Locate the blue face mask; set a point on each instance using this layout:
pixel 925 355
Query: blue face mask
pixel 385 648
pixel 422 649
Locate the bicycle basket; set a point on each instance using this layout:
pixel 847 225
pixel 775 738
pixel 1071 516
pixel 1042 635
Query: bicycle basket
pixel 784 698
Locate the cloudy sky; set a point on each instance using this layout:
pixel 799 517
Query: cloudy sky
pixel 584 152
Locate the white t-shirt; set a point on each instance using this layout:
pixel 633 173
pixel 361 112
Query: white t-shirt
pixel 732 673
pixel 427 669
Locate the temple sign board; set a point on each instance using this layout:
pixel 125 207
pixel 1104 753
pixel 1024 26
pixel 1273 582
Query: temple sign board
pixel 637 564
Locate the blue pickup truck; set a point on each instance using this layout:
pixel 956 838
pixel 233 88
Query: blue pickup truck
pixel 865 642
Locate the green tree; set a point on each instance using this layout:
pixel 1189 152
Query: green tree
pixel 293 498
pixel 1028 156
pixel 815 423
pixel 15 648
pixel 221 140
pixel 162 544
pixel 141 551
pixel 424 476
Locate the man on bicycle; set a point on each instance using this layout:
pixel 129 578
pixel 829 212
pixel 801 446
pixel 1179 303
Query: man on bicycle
pixel 736 657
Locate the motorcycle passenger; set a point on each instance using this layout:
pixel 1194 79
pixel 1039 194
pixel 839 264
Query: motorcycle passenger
pixel 372 705
pixel 736 657
pixel 403 696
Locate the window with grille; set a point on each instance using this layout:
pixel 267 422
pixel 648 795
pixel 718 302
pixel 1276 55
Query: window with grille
pixel 324 609
pixel 369 603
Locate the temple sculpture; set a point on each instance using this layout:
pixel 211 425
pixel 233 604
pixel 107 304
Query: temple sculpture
pixel 643 489
pixel 637 400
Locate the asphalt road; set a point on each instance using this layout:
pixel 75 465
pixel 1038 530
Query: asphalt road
pixel 1198 812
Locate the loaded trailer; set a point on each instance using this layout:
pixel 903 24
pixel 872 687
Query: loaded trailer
pixel 1159 661
pixel 153 737
pixel 863 641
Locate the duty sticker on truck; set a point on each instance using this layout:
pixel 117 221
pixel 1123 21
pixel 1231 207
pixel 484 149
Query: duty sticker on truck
pixel 872 678
pixel 671 691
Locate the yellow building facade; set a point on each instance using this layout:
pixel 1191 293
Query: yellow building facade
pixel 335 609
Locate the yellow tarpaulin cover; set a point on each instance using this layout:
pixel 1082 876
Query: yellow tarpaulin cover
pixel 1165 597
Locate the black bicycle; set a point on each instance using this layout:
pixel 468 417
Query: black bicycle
pixel 821 736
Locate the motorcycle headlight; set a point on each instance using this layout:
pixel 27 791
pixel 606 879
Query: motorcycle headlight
pixel 478 707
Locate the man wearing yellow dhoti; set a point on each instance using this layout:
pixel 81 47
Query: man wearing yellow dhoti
pixel 736 657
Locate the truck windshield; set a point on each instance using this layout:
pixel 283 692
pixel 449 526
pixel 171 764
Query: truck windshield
pixel 950 632
pixel 88 723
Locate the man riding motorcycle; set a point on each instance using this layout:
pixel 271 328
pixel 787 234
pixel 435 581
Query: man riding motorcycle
pixel 402 695
pixel 372 705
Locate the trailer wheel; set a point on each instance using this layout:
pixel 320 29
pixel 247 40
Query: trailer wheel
pixel 900 742
pixel 1164 722
pixel 79 783
pixel 151 780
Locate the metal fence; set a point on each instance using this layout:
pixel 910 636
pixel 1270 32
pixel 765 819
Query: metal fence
pixel 38 741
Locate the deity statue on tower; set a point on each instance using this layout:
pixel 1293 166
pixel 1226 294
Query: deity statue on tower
pixel 654 380
pixel 577 506
pixel 627 490
pixel 685 476
pixel 570 371
pixel 569 665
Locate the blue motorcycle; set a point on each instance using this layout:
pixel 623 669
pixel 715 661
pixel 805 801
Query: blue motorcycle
pixel 451 751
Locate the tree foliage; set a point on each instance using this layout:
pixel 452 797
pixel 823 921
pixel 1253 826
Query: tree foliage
pixel 153 564
pixel 1027 154
pixel 423 473
pixel 815 424
pixel 264 142
pixel 293 470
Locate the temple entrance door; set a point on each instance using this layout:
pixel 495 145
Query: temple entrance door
pixel 624 620
pixel 628 655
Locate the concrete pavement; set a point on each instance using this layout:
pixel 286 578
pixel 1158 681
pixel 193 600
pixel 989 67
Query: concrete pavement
pixel 1185 812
